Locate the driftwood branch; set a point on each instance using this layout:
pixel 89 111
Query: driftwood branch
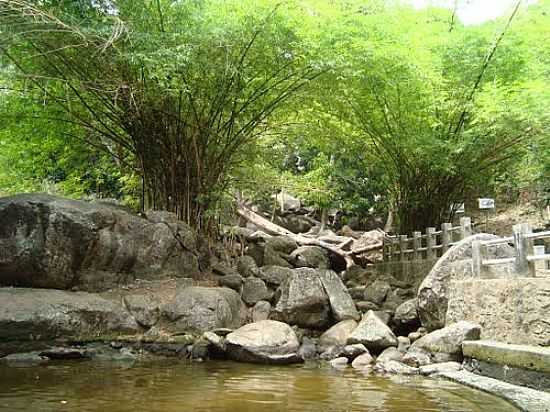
pixel 273 229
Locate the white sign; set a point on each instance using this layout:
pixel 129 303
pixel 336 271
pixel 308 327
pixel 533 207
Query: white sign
pixel 486 203
pixel 458 208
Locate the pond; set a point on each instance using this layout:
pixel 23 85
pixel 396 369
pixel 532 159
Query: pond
pixel 226 386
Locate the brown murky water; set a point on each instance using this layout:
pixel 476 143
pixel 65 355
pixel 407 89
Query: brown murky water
pixel 227 386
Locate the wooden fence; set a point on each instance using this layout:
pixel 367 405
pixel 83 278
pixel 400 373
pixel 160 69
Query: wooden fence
pixel 523 240
pixel 430 245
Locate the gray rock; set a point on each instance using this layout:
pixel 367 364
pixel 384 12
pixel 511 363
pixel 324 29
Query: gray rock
pixel 406 314
pixel 62 353
pixel 224 269
pixel 413 336
pixel 144 309
pixel 24 359
pixel 338 334
pixel 377 292
pixel 436 368
pixel 52 242
pixel 246 266
pixel 261 311
pixel 43 314
pixel 308 349
pixel 389 354
pixel 274 275
pixel 339 363
pixel 362 361
pixel 216 343
pixel 310 257
pixel 416 358
pixel 373 333
pixel 277 251
pixel 403 344
pixel 395 368
pixel 200 309
pixel 267 341
pixel 455 264
pixel 448 341
pixel 234 282
pixel 341 303
pixel 365 306
pixel 303 300
pixel 353 351
pixel 357 292
pixel 254 290
pixel 256 252
pixel 383 315
pixel 332 352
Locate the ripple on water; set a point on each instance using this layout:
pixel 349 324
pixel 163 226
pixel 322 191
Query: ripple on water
pixel 225 387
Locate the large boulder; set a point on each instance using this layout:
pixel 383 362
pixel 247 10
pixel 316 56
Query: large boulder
pixel 373 333
pixel 199 309
pixel 341 303
pixel 310 257
pixel 45 314
pixel 51 242
pixel 446 344
pixel 303 300
pixel 454 265
pixel 266 341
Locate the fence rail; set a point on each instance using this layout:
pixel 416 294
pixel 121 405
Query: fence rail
pixel 430 245
pixel 523 241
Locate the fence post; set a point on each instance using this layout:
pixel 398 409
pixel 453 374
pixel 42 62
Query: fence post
pixel 417 244
pixel 524 247
pixel 402 247
pixel 465 227
pixel 446 231
pixel 477 258
pixel 431 253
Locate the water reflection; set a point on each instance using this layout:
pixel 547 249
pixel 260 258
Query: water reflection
pixel 227 386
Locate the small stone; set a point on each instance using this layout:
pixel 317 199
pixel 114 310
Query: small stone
pixel 377 292
pixel 332 352
pixel 403 344
pixel 246 266
pixel 440 368
pixel 389 354
pixel 261 311
pixel 254 290
pixel 338 334
pixel 364 306
pixel 416 359
pixel 234 282
pixel 353 351
pixel 339 363
pixel 373 333
pixel 395 368
pixel 362 361
pixel 413 336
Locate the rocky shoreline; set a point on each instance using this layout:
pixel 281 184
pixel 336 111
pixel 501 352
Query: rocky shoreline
pixel 93 281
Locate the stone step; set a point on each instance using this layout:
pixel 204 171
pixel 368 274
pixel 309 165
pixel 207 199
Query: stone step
pixel 524 365
pixel 526 399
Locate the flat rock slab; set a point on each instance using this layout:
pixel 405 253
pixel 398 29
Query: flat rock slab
pixel 521 356
pixel 44 314
pixel 526 399
pixel 508 310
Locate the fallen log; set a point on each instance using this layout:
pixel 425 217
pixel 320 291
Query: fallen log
pixel 273 229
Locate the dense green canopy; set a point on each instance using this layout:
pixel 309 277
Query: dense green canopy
pixel 368 106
